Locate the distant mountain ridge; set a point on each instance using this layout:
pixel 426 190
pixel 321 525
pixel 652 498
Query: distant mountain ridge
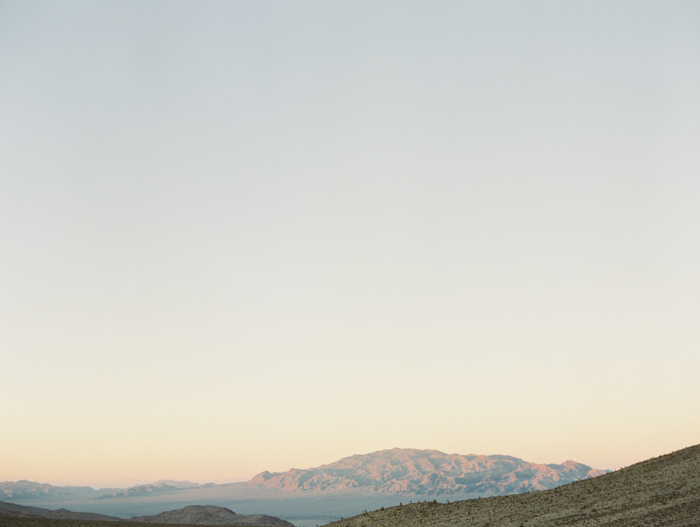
pixel 427 472
pixel 141 490
pixel 31 490
pixel 28 490
pixel 396 472
pixel 164 485
pixel 183 484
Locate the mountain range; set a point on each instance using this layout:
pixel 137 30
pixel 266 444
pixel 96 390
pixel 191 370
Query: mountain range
pixel 315 496
pixel 397 471
pixel 31 490
pixel 428 473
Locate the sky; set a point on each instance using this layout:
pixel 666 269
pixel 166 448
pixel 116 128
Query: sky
pixel 258 235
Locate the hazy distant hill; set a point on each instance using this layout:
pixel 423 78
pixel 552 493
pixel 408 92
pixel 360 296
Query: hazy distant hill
pixel 24 490
pixel 151 488
pixel 427 472
pixel 663 491
pixel 210 515
pixel 141 490
pixel 31 490
pixel 182 484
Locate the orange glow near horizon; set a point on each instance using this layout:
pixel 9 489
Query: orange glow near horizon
pixel 238 237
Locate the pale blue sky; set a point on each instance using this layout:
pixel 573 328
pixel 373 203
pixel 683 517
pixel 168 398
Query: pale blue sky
pixel 247 236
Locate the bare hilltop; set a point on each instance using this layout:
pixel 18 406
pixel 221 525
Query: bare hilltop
pixel 663 491
pixel 211 515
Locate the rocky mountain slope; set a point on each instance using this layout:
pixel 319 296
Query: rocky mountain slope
pixel 663 491
pixel 427 472
pixel 210 515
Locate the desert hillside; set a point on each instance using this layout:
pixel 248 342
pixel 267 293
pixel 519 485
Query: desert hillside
pixel 663 491
pixel 12 510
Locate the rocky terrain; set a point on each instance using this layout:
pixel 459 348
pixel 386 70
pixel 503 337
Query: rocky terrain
pixel 663 491
pixel 429 473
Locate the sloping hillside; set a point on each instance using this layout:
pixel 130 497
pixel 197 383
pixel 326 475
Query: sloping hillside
pixel 663 491
pixel 20 511
pixel 211 515
pixel 427 472
pixel 190 515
